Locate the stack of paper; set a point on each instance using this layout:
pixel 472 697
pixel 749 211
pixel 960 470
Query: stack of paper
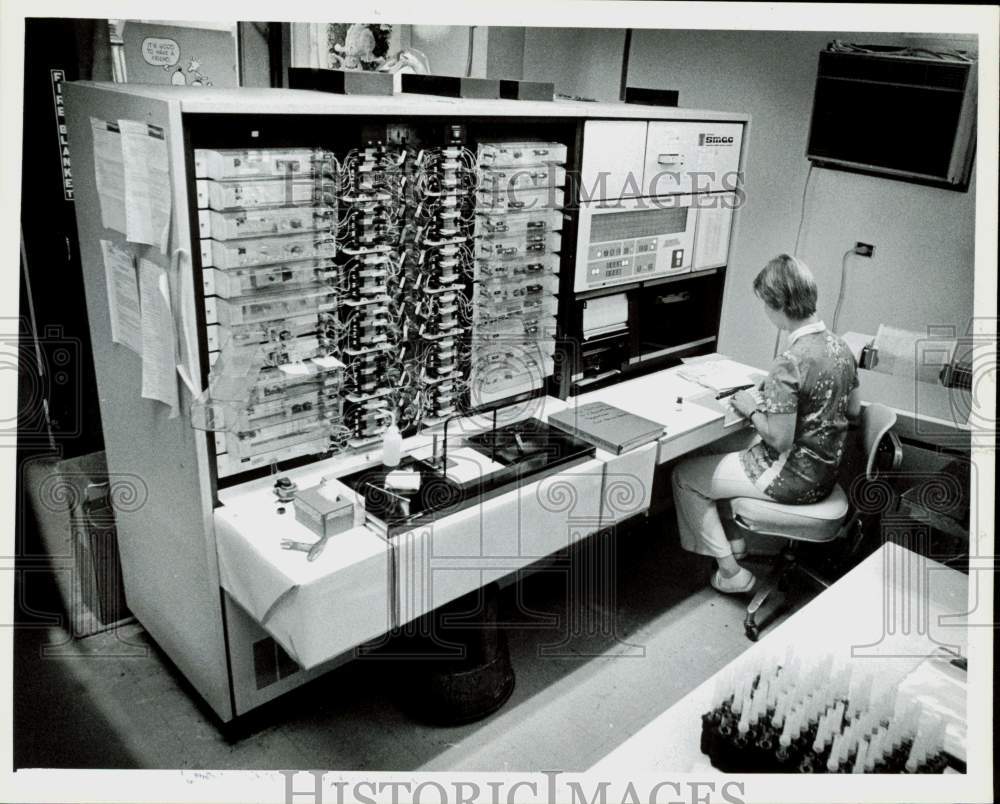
pixel 720 375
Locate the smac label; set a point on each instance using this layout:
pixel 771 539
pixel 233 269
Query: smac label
pixel 714 139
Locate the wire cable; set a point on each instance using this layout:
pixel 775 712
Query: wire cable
pixel 798 239
pixel 472 47
pixel 802 209
pixel 842 292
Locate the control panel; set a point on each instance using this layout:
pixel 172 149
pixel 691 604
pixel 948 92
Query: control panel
pixel 637 239
pixel 656 199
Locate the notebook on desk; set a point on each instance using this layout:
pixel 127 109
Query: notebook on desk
pixel 607 427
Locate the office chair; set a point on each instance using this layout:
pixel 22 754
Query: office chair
pixel 833 518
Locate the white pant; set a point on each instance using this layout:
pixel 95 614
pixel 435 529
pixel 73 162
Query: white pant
pixel 698 482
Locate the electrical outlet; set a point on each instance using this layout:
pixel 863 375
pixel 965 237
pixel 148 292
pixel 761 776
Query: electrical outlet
pixel 864 249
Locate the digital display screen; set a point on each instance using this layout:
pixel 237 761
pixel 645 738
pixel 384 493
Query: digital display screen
pixel 637 223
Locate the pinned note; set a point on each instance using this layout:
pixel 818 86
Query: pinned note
pixel 109 173
pixel 159 357
pixel 123 296
pixel 147 183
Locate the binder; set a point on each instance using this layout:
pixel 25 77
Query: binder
pixel 607 427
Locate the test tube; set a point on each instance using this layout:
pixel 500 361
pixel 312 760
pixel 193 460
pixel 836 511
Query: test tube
pixel 819 743
pixel 859 758
pixel 833 762
pixel 877 749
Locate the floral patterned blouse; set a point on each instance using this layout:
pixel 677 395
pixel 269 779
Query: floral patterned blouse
pixel 813 379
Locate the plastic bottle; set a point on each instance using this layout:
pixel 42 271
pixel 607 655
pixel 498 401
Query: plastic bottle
pixel 392 445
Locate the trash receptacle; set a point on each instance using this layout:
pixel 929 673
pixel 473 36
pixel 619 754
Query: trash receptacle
pixel 460 671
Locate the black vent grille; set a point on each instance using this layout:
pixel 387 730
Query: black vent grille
pixel 894 70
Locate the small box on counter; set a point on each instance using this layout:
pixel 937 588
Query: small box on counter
pixel 527 90
pixel 323 515
pixel 343 82
pixel 651 97
pixel 452 86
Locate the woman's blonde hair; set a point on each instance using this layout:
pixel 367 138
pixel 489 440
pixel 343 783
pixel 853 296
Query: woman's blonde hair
pixel 787 285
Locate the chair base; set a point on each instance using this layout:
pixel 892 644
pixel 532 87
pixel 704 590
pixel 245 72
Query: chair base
pixel 769 599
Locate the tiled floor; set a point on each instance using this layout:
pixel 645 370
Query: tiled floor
pixel 114 701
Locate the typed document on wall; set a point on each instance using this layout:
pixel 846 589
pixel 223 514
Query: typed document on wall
pixel 109 173
pixel 147 183
pixel 159 356
pixel 123 296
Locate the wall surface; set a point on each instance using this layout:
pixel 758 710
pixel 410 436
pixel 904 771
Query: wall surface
pixel 580 61
pixel 255 58
pixel 922 272
pixel 447 48
pixel 505 52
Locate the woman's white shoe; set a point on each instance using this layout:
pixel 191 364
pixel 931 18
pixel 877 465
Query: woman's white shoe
pixel 742 581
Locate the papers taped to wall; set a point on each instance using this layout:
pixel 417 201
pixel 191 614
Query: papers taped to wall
pixel 123 296
pixel 132 174
pixel 159 358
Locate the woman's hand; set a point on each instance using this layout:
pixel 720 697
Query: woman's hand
pixel 745 403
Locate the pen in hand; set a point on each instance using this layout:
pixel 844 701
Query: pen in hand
pixel 735 390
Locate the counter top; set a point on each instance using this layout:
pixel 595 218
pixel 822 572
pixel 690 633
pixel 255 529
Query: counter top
pixel 267 101
pixel 894 607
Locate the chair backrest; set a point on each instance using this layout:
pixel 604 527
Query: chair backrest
pixel 876 421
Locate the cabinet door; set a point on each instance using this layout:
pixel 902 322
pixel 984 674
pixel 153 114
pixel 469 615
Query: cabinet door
pixel 613 153
pixel 165 539
pixel 686 156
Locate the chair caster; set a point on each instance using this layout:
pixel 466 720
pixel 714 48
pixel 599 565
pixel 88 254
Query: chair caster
pixel 766 603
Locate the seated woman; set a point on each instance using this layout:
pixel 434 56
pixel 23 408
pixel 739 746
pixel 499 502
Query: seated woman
pixel 800 412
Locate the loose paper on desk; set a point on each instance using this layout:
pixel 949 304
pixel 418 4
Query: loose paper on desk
pixel 109 173
pixel 720 375
pixel 147 183
pixel 911 354
pixel 123 296
pixel 159 357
